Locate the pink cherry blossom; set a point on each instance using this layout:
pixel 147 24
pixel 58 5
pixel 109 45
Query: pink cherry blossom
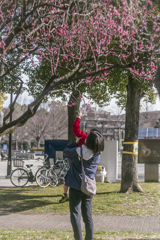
pixel 87 38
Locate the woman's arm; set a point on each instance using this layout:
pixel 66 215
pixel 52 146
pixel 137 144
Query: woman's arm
pixel 71 145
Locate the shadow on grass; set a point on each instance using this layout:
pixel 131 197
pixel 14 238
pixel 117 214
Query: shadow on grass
pixel 25 199
pixel 107 193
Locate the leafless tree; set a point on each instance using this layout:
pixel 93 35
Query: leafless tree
pixel 20 135
pixel 49 122
pixel 146 118
pixel 59 115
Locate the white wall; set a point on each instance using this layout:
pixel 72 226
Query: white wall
pixel 109 159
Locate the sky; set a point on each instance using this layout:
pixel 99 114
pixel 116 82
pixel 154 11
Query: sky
pixel 158 104
pixel 24 98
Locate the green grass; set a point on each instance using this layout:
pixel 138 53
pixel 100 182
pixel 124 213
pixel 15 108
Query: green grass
pixel 108 200
pixel 68 235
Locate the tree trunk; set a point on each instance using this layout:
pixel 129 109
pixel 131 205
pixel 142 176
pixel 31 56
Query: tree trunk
pixel 129 176
pixel 38 142
pixel 72 113
pixel 16 144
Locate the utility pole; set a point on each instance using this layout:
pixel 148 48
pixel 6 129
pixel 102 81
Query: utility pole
pixel 102 128
pixel 9 166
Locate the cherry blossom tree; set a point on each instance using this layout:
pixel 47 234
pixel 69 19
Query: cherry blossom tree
pixel 87 39
pixel 77 32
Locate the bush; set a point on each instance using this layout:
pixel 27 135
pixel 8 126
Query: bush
pixel 37 149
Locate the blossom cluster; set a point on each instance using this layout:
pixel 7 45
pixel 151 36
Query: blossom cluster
pixel 99 36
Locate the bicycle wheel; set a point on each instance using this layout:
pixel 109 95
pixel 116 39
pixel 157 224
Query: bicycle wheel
pixel 19 177
pixel 53 178
pixel 42 177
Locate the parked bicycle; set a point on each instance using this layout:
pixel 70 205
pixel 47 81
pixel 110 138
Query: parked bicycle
pixel 54 175
pixel 20 176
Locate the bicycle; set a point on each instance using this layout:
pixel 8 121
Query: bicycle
pixel 20 176
pixel 54 175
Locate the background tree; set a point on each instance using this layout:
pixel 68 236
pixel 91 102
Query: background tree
pixel 59 118
pixel 48 123
pixel 2 99
pixel 157 125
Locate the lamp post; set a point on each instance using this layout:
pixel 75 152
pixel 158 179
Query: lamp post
pixel 9 166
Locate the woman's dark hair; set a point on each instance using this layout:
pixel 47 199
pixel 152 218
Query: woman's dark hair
pixel 95 141
pixel 95 130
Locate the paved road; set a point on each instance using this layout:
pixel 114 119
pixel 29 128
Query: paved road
pixel 3 172
pixel 141 170
pixel 6 182
pixel 149 224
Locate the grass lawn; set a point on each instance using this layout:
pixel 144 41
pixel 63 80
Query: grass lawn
pixel 108 200
pixel 68 235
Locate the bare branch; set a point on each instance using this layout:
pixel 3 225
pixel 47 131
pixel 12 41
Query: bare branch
pixel 60 91
pixel 13 103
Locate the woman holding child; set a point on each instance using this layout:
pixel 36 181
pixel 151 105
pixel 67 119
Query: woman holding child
pixel 79 201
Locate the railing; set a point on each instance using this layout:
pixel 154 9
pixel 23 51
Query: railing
pixel 19 155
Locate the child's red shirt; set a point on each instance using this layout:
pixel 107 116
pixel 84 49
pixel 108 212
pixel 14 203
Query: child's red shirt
pixel 77 132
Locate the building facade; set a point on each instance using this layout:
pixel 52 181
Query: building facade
pixel 113 126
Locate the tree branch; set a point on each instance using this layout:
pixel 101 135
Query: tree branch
pixel 17 64
pixel 13 103
pixel 52 83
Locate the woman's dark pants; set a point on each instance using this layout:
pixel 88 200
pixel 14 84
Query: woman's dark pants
pixel 80 202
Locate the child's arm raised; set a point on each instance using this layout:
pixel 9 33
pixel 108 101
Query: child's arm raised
pixel 76 126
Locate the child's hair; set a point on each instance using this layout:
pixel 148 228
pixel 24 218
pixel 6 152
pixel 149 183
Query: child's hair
pixel 95 141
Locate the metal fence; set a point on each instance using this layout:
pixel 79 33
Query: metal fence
pixel 149 133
